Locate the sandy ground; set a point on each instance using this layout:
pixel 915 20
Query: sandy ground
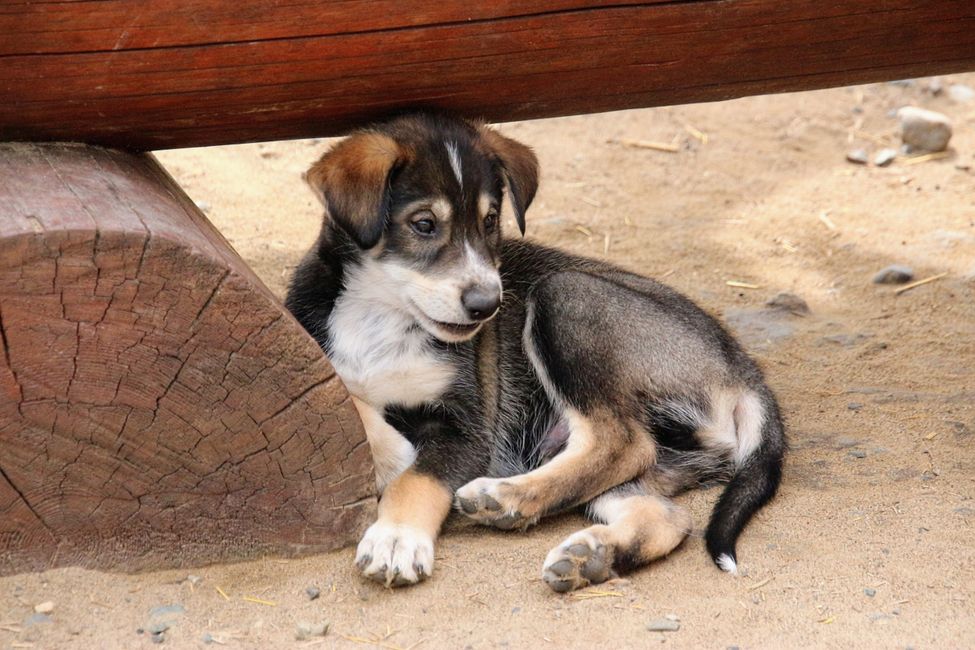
pixel 869 543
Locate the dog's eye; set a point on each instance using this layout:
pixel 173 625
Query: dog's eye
pixel 491 221
pixel 423 223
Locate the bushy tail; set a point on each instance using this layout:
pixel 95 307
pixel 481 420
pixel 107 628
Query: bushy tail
pixel 753 485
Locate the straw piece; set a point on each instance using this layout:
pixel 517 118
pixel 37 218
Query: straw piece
pixel 908 287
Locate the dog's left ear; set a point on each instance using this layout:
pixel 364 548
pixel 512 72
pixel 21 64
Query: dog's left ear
pixel 352 182
pixel 520 169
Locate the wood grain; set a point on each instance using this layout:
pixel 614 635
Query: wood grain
pixel 158 407
pixel 164 74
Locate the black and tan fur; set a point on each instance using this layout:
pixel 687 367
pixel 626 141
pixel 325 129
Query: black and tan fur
pixel 588 386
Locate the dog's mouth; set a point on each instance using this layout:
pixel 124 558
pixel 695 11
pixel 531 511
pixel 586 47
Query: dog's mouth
pixel 447 332
pixel 457 329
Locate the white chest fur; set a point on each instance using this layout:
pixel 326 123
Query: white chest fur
pixel 377 350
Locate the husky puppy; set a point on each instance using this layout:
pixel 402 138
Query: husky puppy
pixel 511 380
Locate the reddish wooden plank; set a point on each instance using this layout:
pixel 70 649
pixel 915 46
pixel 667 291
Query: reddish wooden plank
pixel 245 78
pixel 111 25
pixel 158 407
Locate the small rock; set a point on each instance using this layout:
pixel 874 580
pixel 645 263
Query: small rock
pixel 870 592
pixel 857 453
pixel 158 638
pixel 935 86
pixel 663 625
pixel 208 638
pixel 194 580
pixel 204 206
pixel 854 406
pixel 894 274
pixel 924 130
pixel 306 631
pixel 313 592
pixel 961 93
pixel 789 302
pixel 672 617
pixel 44 608
pixel 858 156
pixel 884 157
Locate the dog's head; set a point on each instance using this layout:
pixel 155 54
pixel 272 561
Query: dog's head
pixel 420 197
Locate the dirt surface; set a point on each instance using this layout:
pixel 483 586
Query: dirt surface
pixel 869 543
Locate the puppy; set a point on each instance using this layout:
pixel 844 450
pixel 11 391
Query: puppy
pixel 515 381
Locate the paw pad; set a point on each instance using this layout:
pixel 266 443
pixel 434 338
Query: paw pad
pixel 578 565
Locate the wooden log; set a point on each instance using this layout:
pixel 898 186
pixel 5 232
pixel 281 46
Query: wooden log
pixel 158 407
pixel 149 75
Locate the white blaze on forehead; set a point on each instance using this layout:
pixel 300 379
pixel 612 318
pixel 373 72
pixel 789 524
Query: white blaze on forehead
pixel 454 156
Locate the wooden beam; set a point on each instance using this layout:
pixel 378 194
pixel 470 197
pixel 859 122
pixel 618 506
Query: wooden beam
pixel 147 75
pixel 158 407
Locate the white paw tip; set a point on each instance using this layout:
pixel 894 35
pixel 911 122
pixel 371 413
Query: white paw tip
pixel 728 564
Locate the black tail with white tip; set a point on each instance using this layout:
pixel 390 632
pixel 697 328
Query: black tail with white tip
pixel 753 485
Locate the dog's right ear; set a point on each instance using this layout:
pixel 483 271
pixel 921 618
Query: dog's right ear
pixel 352 182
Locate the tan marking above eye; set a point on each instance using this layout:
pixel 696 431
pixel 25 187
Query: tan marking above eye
pixel 441 208
pixel 484 204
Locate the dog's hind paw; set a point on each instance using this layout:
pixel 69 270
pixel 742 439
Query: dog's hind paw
pixel 581 560
pixel 491 502
pixel 395 555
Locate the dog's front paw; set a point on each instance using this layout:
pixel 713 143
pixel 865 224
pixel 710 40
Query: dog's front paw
pixel 579 561
pixel 494 502
pixel 395 554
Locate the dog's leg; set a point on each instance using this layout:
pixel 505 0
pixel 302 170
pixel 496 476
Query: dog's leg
pixel 602 451
pixel 392 453
pixel 398 549
pixel 637 529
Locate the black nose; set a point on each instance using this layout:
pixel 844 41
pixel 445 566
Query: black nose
pixel 480 302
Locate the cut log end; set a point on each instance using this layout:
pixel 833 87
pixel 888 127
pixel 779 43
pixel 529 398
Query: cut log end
pixel 158 407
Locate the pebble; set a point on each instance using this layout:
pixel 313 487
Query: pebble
pixel 44 608
pixel 789 302
pixel 854 406
pixel 858 156
pixel 961 93
pixel 884 157
pixel 194 580
pixel 924 130
pixel 663 625
pixel 208 638
pixel 857 453
pixel 305 631
pixel 894 274
pixel 870 592
pixel 159 627
pixel 313 592
pixel 204 206
pixel 158 638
